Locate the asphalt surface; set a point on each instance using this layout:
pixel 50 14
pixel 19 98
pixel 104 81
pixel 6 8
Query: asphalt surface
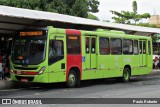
pixel 147 86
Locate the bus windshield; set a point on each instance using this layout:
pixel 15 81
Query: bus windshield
pixel 28 51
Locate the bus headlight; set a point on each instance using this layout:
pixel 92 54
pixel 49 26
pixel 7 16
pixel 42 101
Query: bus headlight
pixel 41 70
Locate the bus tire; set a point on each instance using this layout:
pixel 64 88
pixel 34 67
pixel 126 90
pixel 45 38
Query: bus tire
pixel 72 79
pixel 125 77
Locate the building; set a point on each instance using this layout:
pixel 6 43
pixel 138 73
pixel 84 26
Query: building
pixel 155 19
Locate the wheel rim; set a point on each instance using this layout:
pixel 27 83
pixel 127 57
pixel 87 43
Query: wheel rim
pixel 126 75
pixel 71 79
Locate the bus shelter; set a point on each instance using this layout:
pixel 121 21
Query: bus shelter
pixel 13 19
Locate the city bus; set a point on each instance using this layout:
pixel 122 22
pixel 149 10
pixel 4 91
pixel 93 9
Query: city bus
pixel 54 55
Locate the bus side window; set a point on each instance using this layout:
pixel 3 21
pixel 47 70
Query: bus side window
pixel 56 51
pixel 116 46
pixel 104 48
pixel 93 47
pixel 140 45
pixel 87 45
pixel 135 47
pixel 144 47
pixel 127 46
pixel 73 44
pixel 149 47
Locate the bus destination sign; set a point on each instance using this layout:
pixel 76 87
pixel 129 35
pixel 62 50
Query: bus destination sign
pixel 31 33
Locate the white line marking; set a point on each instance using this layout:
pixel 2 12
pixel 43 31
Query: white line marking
pixel 153 77
pixel 12 89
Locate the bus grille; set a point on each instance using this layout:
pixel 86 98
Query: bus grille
pixel 22 68
pixel 28 78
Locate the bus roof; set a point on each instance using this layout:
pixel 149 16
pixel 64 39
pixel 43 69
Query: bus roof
pixel 13 19
pixel 112 33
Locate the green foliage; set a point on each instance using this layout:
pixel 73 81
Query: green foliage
pixel 156 38
pixel 93 5
pixel 70 7
pixel 91 16
pixel 134 5
pixel 79 8
pixel 126 17
pixel 122 17
pixel 106 21
pixel 147 25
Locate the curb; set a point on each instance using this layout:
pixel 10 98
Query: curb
pixel 155 70
pixel 8 84
pixel 5 84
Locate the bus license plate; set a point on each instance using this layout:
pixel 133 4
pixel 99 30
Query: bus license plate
pixel 24 80
pixel 19 72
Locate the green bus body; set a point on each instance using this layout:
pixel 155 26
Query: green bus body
pixel 92 62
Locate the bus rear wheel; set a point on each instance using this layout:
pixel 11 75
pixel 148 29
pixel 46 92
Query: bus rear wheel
pixel 72 79
pixel 125 77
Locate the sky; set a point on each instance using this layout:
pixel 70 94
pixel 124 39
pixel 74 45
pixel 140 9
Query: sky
pixel 144 6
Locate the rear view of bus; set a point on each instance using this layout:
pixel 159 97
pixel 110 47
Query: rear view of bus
pixel 28 56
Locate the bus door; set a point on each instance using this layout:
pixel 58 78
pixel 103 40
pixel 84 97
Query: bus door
pixel 91 52
pixel 56 58
pixel 143 55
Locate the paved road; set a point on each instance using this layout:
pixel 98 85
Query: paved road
pixel 140 87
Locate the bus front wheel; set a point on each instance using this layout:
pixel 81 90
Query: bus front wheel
pixel 72 79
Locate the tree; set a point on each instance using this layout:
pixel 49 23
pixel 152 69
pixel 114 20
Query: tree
pixel 147 25
pixel 93 5
pixel 134 6
pixel 91 16
pixel 79 8
pixel 127 17
pixel 136 16
pixel 106 21
pixel 122 17
pixel 57 6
